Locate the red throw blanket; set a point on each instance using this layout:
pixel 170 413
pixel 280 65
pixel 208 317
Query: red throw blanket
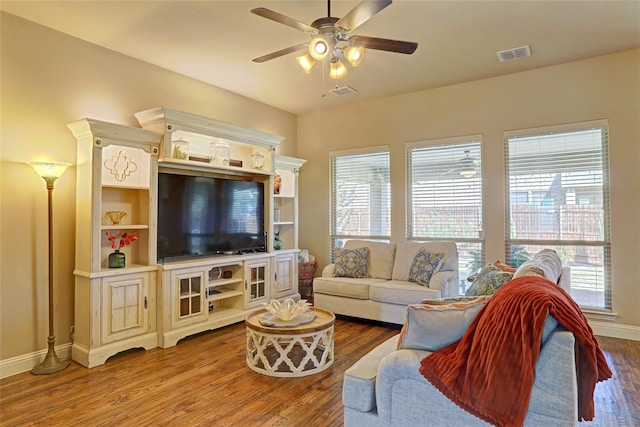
pixel 489 372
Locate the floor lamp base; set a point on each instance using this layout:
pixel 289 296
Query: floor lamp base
pixel 51 363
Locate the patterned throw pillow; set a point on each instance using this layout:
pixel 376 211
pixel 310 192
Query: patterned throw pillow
pixel 424 265
pixel 351 262
pixel 488 280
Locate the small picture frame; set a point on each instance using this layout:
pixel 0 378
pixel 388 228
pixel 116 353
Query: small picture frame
pixel 277 183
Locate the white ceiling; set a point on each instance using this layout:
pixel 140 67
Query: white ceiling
pixel 215 41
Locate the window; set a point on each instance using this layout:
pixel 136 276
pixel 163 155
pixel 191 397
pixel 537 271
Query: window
pixel 360 196
pixel 444 197
pixel 557 196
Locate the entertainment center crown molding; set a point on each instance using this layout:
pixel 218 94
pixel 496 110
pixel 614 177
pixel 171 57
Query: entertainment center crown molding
pixel 150 303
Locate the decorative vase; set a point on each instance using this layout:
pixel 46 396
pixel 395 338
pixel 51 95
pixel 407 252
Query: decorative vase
pixel 116 216
pixel 257 161
pixel 277 243
pixel 286 309
pixel 180 149
pixel 116 259
pixel 220 152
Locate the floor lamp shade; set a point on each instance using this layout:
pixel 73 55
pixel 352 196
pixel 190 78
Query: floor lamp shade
pixel 50 171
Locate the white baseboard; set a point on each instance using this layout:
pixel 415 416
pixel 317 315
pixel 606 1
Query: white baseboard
pixel 26 362
pixel 615 330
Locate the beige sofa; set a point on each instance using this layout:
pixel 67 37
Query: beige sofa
pixel 386 292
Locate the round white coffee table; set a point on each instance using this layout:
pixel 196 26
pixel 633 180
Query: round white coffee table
pixel 290 352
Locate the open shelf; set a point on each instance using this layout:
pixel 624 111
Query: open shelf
pixel 193 165
pixel 221 282
pixel 123 227
pixel 224 295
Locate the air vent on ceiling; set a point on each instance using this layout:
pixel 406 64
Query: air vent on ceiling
pixel 515 53
pixel 344 90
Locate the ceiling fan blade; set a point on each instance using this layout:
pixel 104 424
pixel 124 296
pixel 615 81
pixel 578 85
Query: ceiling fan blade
pixel 279 53
pixel 389 45
pixel 361 14
pixel 275 16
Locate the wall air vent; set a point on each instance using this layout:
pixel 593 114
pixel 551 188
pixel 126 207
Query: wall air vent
pixel 515 53
pixel 344 90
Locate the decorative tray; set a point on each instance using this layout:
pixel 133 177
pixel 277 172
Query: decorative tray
pixel 301 319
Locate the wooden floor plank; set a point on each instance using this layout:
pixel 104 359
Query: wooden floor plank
pixel 204 381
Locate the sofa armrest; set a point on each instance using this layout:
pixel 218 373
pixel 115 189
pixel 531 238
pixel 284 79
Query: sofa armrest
pixel 328 270
pixel 402 393
pixel 359 384
pixel 446 281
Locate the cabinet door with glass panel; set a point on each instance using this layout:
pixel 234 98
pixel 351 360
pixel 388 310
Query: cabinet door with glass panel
pixel 256 282
pixel 189 297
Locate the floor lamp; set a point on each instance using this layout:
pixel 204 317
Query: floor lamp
pixel 50 171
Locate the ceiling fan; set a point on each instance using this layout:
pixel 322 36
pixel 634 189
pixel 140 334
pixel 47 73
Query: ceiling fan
pixel 467 166
pixel 331 38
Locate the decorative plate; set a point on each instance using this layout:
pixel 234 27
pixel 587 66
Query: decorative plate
pixel 301 319
pixel 215 273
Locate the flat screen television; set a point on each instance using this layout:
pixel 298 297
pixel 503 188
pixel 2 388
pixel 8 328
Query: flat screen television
pixel 200 215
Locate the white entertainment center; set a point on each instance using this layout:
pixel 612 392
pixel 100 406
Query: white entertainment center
pixel 151 302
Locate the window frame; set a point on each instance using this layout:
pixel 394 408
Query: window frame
pixel 455 144
pixel 605 242
pixel 333 214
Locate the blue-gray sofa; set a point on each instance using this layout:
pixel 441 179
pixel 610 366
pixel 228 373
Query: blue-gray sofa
pixel 385 388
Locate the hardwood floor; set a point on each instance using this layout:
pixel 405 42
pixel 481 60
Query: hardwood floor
pixel 204 381
pixel 617 400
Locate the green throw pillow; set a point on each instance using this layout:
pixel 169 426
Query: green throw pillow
pixel 424 265
pixel 351 262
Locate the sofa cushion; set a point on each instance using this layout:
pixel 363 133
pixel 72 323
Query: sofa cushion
pixel 434 326
pixel 407 250
pixel 424 265
pixel 381 256
pixel 352 262
pixel 401 292
pixel 545 263
pixel 488 280
pixel 344 286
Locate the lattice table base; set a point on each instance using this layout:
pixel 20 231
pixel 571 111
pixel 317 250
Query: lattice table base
pixel 285 353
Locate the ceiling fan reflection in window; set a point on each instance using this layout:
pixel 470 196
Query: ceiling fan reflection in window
pixel 467 166
pixel 331 38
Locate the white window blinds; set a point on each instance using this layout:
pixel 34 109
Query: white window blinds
pixel 360 196
pixel 444 197
pixel 557 193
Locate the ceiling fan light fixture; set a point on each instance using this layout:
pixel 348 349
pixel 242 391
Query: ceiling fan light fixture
pixel 468 172
pixel 337 69
pixel 306 61
pixel 354 55
pixel 318 48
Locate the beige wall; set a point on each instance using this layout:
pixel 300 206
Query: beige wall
pixel 48 80
pixel 606 87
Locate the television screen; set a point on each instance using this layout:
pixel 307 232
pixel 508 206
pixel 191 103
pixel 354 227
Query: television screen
pixel 200 215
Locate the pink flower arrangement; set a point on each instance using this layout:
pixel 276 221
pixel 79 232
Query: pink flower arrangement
pixel 125 239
